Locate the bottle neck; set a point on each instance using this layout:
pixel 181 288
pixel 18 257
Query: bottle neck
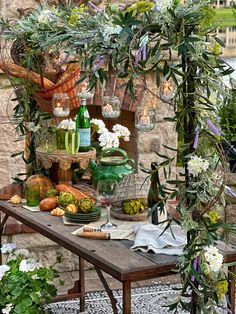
pixel 83 102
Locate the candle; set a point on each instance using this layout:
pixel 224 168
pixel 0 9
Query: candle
pixel 57 111
pixel 144 119
pixel 108 108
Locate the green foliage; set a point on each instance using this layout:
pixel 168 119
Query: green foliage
pixel 25 286
pixel 137 41
pixel 227 115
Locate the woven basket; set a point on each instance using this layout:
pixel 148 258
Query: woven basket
pixel 65 84
pixel 131 187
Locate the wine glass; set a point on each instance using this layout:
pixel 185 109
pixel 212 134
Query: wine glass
pixel 106 193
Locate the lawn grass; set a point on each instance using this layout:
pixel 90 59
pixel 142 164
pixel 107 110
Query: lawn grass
pixel 225 17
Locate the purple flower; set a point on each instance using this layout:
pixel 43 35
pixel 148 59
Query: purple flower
pixel 95 8
pixel 199 264
pixel 196 138
pixel 144 52
pixel 195 261
pixel 157 6
pixel 138 56
pixel 98 62
pixel 230 192
pixel 214 129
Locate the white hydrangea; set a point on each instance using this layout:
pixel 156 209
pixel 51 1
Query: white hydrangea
pixel 98 126
pixel 7 309
pixel 29 264
pixel 3 270
pixel 213 258
pixel 121 131
pixel 8 248
pixel 108 140
pixel 197 165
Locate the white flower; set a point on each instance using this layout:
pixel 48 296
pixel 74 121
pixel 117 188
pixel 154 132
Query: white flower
pixel 45 17
pixel 34 277
pixel 22 252
pixel 7 309
pixel 3 270
pixel 163 5
pixel 29 264
pixel 98 126
pixel 8 248
pixel 197 165
pixel 71 125
pixel 121 131
pixel 213 258
pixel 67 124
pixel 108 140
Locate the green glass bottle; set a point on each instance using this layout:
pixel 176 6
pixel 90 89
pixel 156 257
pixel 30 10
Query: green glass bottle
pixel 83 127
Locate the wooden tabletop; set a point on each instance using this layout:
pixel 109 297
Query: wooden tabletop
pixel 112 256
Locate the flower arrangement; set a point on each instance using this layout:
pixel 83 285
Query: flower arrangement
pixel 133 41
pixel 67 124
pixel 25 285
pixel 109 139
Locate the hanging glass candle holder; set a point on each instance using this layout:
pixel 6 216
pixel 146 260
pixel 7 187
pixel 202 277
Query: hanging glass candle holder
pixel 61 105
pixel 145 119
pixel 167 90
pixel 111 107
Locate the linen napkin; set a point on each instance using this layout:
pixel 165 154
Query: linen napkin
pixel 149 237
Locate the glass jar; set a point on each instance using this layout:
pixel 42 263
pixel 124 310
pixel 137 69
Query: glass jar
pixel 145 120
pixel 60 137
pixel 32 193
pixel 61 105
pixel 111 107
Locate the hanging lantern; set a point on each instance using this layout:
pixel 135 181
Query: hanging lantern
pixel 111 107
pixel 61 105
pixel 145 119
pixel 167 90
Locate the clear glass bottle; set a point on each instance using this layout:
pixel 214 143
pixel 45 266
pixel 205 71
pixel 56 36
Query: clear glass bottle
pixel 83 127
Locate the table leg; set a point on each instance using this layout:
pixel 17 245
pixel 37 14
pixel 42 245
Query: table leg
pixel 108 290
pixel 82 284
pixel 126 297
pixel 2 223
pixel 232 281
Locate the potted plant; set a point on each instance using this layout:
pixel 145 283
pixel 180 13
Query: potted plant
pixel 25 285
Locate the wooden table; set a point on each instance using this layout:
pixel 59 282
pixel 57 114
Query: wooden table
pixel 112 257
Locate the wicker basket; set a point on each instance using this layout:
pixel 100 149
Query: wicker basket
pixel 131 187
pixel 65 84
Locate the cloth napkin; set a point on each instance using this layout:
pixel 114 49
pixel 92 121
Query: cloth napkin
pixel 148 237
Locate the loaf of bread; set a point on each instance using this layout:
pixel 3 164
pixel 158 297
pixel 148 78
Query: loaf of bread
pixel 68 188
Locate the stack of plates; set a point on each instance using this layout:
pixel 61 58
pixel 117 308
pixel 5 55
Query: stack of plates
pixel 84 218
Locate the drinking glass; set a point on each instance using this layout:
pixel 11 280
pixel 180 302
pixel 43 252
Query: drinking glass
pixel 106 193
pixel 72 141
pixel 32 193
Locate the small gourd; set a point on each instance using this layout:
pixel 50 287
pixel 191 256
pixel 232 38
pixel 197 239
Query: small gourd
pixel 57 212
pixel 15 199
pixel 72 208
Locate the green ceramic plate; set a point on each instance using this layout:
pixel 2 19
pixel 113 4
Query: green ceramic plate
pixel 95 214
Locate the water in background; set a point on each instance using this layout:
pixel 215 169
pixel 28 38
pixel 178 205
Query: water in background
pixel 228 36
